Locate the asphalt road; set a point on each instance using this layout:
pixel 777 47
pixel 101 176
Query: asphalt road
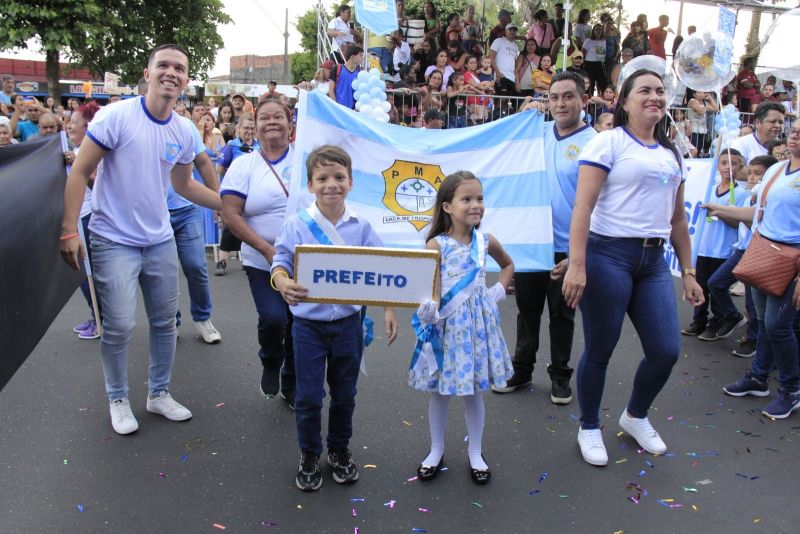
pixel 231 468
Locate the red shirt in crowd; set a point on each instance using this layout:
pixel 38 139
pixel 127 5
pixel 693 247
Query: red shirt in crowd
pixel 657 37
pixel 746 92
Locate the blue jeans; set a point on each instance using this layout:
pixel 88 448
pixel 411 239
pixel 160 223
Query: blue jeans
pixel 722 305
pixel 339 344
pixel 457 121
pixel 777 341
pixel 117 270
pixel 624 277
pixel 274 327
pixel 187 223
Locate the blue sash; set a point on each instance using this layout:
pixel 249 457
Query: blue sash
pixel 316 230
pixel 457 295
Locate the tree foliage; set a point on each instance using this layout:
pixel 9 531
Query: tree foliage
pixel 113 35
pixel 304 66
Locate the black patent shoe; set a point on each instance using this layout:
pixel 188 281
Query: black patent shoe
pixel 480 476
pixel 427 472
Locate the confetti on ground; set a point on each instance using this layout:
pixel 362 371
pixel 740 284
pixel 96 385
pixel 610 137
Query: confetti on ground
pixel 80 507
pixel 355 513
pixel 756 520
pixel 357 499
pixel 574 417
pixel 424 510
pixel 418 530
pixel 370 466
pixel 620 433
pixel 649 464
pixel 355 530
pixel 690 490
pixel 533 492
pixel 466 439
pixel 269 524
pixel 642 473
pixel 633 499
pixel 299 506
pixel 542 477
pixel 479 505
pixel 412 479
pixel 220 404
pixel 66 461
pixel 217 525
pixel 162 475
pixel 563 496
pixel 622 461
pixel 550 429
pixel 390 504
pixel 406 423
pixel 694 508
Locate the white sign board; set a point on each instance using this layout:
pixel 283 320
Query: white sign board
pixel 366 275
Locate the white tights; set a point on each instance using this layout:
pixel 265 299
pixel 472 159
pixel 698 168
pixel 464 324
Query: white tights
pixel 437 419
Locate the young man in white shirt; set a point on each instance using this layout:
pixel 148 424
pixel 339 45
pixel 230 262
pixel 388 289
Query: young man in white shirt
pixel 143 145
pixel 504 54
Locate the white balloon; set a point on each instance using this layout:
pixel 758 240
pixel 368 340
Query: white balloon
pixel 362 75
pixel 366 109
pixel 694 61
pixel 377 111
pixel 356 84
pixel 374 72
pixel 384 118
pixel 358 105
pixel 386 106
pixel 646 62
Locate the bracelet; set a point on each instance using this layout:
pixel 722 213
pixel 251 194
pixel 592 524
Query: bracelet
pixel 68 236
pixel 272 279
pixel 688 271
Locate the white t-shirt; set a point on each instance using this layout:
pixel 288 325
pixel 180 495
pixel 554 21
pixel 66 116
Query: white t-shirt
pixel 250 178
pixel 638 196
pixel 340 41
pixel 506 56
pixel 595 49
pixel 129 201
pixel 750 147
pixel 401 56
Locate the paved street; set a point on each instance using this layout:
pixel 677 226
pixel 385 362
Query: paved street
pixel 232 466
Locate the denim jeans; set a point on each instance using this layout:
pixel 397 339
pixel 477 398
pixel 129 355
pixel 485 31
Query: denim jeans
pixel 624 277
pixel 531 290
pixel 87 294
pixel 777 341
pixel 457 121
pixel 722 305
pixel 274 327
pixel 187 223
pixel 339 344
pixel 117 270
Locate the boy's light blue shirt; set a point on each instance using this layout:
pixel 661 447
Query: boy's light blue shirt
pixel 718 237
pixel 354 231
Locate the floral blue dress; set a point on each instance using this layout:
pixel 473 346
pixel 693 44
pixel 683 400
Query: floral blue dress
pixel 475 353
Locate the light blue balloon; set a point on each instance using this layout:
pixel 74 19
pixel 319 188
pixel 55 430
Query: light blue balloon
pixel 376 92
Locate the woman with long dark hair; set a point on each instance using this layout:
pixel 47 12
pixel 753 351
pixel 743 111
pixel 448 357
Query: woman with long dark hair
pixel 527 62
pixel 628 204
pixel 226 117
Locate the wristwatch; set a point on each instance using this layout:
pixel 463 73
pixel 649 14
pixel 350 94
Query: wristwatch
pixel 689 272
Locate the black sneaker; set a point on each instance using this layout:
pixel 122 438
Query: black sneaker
pixel 344 470
pixel 748 385
pixel 220 268
pixel 709 334
pixel 288 396
pixel 746 348
pixel 560 392
pixel 309 476
pixel 727 326
pixel 694 329
pixel 513 384
pixel 270 381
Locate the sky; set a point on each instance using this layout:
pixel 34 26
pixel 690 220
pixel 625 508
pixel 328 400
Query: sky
pixel 257 26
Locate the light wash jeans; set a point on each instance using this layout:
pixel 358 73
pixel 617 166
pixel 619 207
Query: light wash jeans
pixel 117 270
pixel 187 225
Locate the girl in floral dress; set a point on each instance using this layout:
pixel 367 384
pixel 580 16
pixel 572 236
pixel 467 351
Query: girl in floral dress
pixel 460 347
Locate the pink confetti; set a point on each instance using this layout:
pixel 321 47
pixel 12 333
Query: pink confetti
pixel 161 475
pixel 355 513
pixel 424 510
pixel 217 525
pixel 390 504
pixel 220 405
pixel 412 479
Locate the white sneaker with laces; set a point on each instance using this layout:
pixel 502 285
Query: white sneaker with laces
pixel 643 432
pixel 165 405
pixel 592 447
pixel 122 418
pixel 207 331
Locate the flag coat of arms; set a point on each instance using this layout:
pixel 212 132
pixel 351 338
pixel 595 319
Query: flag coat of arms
pixel 397 172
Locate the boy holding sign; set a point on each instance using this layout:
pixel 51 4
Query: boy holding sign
pixel 325 333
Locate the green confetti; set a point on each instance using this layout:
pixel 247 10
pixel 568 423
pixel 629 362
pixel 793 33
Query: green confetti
pixel 479 505
pixel 690 490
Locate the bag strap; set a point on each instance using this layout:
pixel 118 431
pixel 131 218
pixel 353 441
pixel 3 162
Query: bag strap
pixel 763 204
pixel 269 164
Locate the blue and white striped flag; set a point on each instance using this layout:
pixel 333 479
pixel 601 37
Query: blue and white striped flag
pixel 379 16
pixel 397 171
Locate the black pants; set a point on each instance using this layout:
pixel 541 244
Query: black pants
pixel 229 242
pixel 706 267
pixel 531 291
pixel 597 75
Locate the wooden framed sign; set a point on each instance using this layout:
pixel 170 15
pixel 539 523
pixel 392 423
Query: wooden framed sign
pixel 366 275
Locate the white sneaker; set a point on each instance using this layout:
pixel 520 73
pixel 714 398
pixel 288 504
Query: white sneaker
pixel 207 331
pixel 643 432
pixel 592 447
pixel 122 418
pixel 165 405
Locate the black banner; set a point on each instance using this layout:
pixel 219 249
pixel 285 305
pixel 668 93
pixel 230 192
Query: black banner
pixel 35 283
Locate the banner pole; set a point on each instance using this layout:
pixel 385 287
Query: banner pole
pixel 88 268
